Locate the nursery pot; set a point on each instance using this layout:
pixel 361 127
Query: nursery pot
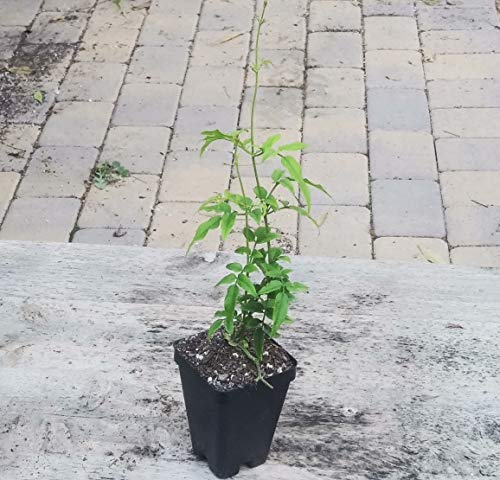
pixel 232 428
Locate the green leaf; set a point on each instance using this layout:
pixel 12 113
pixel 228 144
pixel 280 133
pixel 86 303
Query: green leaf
pixel 261 192
pixel 250 268
pixel 215 327
pixel 203 230
pixel 274 254
pixel 229 306
pixel 279 312
pixel 317 186
pixel 292 147
pixel 272 286
pixel 258 342
pixel 272 202
pixel 297 287
pixel 288 185
pixel 264 234
pixel 277 175
pixel 243 251
pixel 246 284
pixel 38 96
pixel 249 234
pixel 270 141
pixel 230 278
pixel 256 214
pixel 234 267
pixel 304 213
pixel 293 168
pixel 227 223
pixel 306 192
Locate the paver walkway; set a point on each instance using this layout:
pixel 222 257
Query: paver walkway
pixel 399 101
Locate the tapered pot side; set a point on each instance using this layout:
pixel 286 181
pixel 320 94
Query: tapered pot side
pixel 232 428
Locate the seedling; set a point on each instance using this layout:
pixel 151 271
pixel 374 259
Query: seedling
pixel 107 173
pixel 259 288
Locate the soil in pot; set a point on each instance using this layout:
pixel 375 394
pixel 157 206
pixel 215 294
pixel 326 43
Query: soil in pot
pixel 226 368
pixel 232 418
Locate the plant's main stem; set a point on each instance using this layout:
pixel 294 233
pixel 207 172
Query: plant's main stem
pixel 256 70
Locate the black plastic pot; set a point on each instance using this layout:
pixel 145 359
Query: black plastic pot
pixel 235 428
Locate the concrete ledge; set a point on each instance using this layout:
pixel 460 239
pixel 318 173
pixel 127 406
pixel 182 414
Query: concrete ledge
pixel 398 367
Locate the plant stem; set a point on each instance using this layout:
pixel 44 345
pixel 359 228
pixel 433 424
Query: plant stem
pixel 240 180
pixel 256 70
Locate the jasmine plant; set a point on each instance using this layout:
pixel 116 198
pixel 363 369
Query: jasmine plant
pixel 259 288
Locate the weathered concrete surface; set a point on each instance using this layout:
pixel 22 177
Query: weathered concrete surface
pixel 398 373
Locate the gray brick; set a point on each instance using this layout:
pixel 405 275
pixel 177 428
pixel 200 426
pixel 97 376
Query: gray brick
pixel 107 19
pixel 402 155
pixel 454 18
pixel 171 7
pixel 220 49
pixel 189 178
pixel 461 41
pixel 335 87
pixel 470 188
pixel 53 64
pixel 233 16
pixel 192 120
pixel 487 257
pixel 168 29
pixel 9 39
pixel 345 233
pixel 407 208
pixel 277 108
pixel 455 67
pixel 8 184
pixel 99 82
pixel 126 204
pixel 283 31
pixel 388 7
pixel 22 108
pixel 344 175
pixel 104 43
pixel 464 93
pixel 394 68
pixel 286 69
pixel 467 122
pixel 18 12
pixel 16 143
pixel 78 124
pixel 334 15
pixel 147 104
pixel 174 225
pixel 341 130
pixel 158 65
pixel 107 236
pixel 56 28
pixel 140 149
pixel 335 49
pixel 221 86
pixel 58 172
pixel 40 219
pixel 67 6
pixel 398 109
pixel 408 249
pixel 473 226
pixel 468 154
pixel 391 33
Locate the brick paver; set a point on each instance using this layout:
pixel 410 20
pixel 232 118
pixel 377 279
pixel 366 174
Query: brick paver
pixel 398 101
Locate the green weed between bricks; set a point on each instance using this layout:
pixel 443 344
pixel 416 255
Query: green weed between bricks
pixel 259 289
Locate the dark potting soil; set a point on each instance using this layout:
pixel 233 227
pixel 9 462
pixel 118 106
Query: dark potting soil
pixel 226 367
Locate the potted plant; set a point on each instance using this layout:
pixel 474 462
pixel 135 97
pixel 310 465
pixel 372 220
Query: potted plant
pixel 235 376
